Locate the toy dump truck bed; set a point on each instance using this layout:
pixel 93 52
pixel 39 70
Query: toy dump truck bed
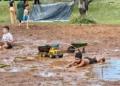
pixel 44 48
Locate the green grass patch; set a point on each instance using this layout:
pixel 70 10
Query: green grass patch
pixel 100 11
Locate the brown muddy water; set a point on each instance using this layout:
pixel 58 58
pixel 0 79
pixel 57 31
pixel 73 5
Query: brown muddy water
pixel 52 72
pixel 108 71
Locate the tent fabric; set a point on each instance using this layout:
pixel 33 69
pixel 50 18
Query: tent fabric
pixel 50 12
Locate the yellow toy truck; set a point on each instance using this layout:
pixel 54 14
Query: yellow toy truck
pixel 50 51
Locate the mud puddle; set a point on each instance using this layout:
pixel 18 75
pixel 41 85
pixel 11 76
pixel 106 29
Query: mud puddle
pixel 59 63
pixel 110 71
pixel 17 69
pixel 7 69
pixel 48 74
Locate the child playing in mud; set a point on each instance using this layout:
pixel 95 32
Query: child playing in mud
pixel 80 62
pixel 7 39
pixel 26 15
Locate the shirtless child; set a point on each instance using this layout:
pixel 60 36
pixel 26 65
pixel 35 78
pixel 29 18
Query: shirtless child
pixel 80 62
pixel 7 39
pixel 26 15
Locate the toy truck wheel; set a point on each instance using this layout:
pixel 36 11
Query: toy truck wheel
pixel 52 56
pixel 43 54
pixel 60 56
pixel 47 55
pixel 71 49
pixel 39 54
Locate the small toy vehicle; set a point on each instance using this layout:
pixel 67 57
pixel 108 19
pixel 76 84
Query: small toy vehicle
pixel 77 45
pixel 55 52
pixel 49 51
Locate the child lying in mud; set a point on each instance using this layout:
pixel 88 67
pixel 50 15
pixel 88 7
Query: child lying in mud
pixel 7 39
pixel 80 62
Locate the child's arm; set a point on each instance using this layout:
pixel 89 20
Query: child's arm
pixel 10 42
pixel 81 64
pixel 11 39
pixel 71 3
pixel 1 41
pixel 24 13
pixel 71 64
pixel 28 15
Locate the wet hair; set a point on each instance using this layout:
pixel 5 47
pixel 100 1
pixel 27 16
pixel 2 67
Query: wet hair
pixel 78 54
pixel 6 27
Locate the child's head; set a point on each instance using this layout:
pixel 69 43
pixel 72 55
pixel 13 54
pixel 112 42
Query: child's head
pixel 27 7
pixel 5 29
pixel 78 56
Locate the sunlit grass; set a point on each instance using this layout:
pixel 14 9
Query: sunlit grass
pixel 101 11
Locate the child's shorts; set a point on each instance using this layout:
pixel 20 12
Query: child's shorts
pixel 25 18
pixel 9 46
pixel 92 60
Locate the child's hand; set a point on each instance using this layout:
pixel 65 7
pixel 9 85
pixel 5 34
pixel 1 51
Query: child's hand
pixel 76 67
pixel 68 66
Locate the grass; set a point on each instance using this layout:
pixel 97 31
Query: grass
pixel 101 11
pixel 4 12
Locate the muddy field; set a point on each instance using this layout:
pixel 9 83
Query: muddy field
pixel 52 72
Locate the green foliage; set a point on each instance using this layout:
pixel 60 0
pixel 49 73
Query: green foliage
pixel 100 12
pixel 77 19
